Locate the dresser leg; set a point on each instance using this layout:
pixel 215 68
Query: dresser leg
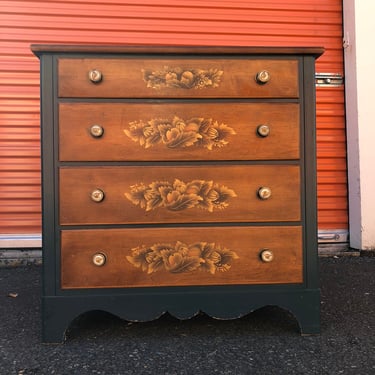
pixel 306 309
pixel 310 326
pixel 57 316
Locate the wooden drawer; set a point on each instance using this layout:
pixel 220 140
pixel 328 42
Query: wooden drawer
pixel 180 257
pixel 183 131
pixel 183 194
pixel 177 78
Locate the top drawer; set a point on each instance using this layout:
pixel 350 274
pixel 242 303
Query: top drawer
pixel 177 78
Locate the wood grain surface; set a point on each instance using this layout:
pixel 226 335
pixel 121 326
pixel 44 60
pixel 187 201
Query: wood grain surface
pixel 79 246
pixel 157 194
pixel 127 78
pixel 158 134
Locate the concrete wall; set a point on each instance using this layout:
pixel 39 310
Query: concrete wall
pixel 359 30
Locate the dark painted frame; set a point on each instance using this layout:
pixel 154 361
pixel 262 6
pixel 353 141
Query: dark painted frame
pixel 60 307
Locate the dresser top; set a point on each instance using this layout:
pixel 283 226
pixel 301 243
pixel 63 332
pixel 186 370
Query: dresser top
pixel 39 49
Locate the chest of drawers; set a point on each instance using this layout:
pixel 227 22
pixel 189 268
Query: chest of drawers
pixel 178 179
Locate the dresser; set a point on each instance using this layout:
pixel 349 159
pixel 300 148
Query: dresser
pixel 179 180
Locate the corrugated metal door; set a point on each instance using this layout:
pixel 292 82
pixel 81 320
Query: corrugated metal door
pixel 209 22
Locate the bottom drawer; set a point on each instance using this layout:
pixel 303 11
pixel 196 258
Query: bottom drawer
pixel 144 257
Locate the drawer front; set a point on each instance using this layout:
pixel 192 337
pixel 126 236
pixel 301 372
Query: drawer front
pixel 183 131
pixel 155 194
pixel 180 256
pixel 177 78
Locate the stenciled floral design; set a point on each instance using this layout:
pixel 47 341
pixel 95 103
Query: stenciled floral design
pixel 178 133
pixel 182 257
pixel 182 78
pixel 179 195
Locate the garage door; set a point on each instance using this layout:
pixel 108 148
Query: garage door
pixel 209 22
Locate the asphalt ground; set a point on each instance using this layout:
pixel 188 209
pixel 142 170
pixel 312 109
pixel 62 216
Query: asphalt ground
pixel 266 341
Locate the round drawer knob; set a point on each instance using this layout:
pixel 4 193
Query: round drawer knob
pixel 96 131
pixel 99 259
pixel 97 195
pixel 263 77
pixel 264 193
pixel 266 255
pixel 263 130
pixel 95 76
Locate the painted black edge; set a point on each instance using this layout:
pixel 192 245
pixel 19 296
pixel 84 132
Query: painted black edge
pixel 310 185
pixel 39 49
pixel 61 311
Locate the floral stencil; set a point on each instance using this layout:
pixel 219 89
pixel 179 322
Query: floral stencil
pixel 179 195
pixel 182 78
pixel 178 133
pixel 182 257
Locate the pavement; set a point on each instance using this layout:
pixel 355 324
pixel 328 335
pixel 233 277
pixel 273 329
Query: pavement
pixel 266 341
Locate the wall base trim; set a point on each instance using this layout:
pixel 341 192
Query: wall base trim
pixel 20 241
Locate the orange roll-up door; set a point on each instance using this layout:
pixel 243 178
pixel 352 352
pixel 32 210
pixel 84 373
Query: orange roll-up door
pixel 196 22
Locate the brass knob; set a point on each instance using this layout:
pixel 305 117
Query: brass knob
pixel 99 259
pixel 266 255
pixel 97 195
pixel 264 193
pixel 263 77
pixel 263 130
pixel 95 76
pixel 96 131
